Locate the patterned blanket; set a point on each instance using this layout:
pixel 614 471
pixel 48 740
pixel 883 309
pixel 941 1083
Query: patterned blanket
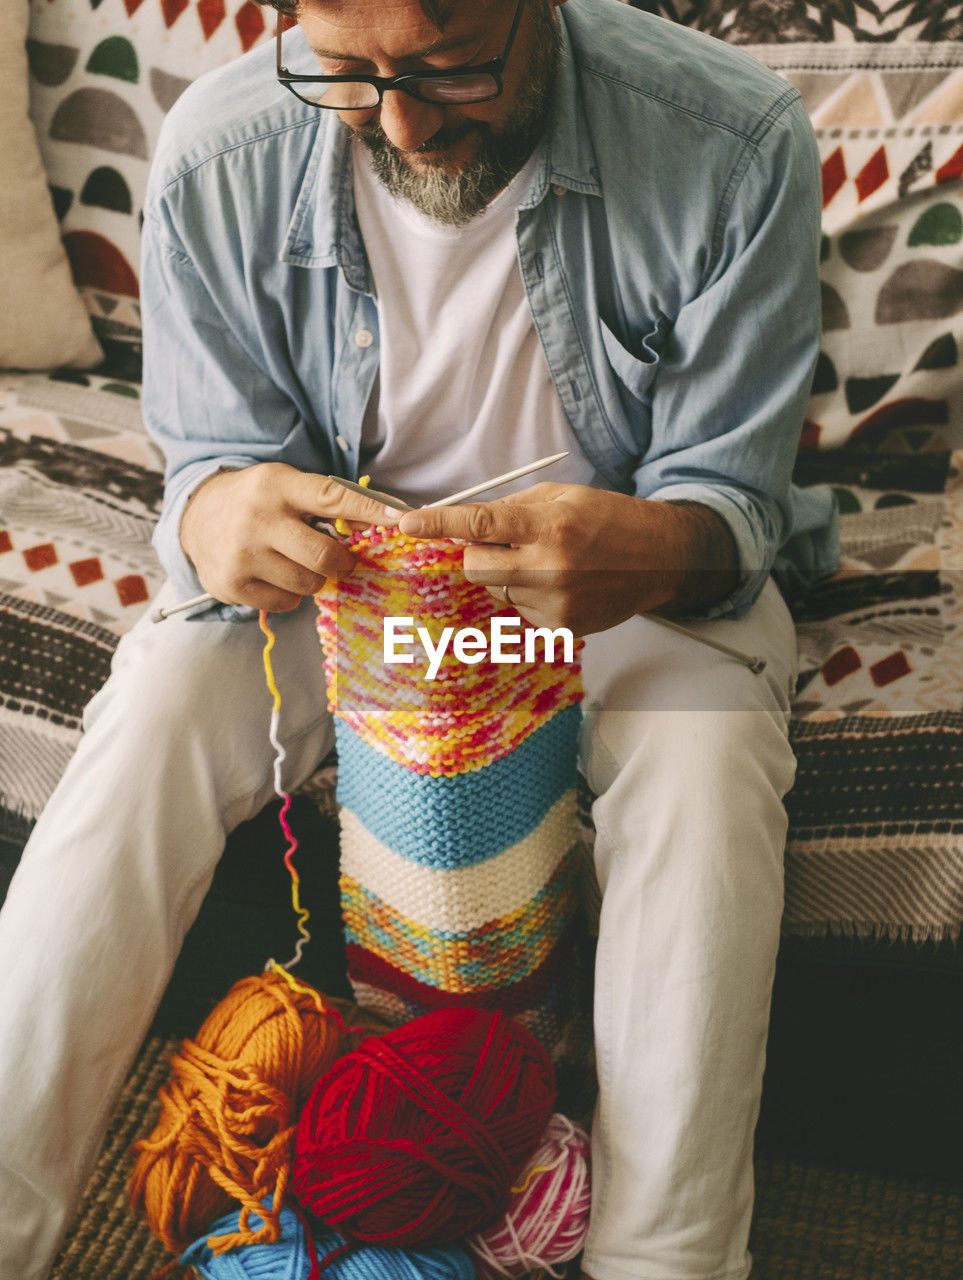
pixel 79 494
pixel 876 836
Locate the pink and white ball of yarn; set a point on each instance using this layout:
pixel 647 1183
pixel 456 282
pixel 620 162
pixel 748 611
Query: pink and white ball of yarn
pixel 547 1219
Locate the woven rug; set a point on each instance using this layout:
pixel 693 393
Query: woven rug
pixel 811 1223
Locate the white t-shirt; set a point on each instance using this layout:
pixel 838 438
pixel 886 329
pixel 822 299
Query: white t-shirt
pixel 464 390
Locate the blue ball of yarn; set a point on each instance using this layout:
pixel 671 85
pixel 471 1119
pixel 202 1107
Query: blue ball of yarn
pixel 289 1259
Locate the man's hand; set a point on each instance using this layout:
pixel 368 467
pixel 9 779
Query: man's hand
pixel 248 535
pixel 585 558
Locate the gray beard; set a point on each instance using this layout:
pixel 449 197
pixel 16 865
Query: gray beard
pixel 454 198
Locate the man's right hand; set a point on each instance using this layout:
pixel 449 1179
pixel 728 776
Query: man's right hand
pixel 248 534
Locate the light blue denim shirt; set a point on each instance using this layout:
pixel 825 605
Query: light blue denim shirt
pixel 668 247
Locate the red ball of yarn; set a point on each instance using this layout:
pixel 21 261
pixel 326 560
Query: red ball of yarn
pixel 414 1138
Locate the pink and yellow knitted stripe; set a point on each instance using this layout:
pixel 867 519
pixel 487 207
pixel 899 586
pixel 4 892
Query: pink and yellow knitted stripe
pixel 467 716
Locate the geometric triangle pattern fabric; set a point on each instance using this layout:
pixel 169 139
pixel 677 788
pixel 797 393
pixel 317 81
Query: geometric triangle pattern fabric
pixel 904 93
pixel 76 516
pixel 889 123
pixel 791 21
pixel 888 627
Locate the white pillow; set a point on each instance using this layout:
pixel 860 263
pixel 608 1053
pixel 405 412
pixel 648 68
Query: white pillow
pixel 43 322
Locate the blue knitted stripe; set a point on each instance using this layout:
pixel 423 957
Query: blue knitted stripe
pixel 462 819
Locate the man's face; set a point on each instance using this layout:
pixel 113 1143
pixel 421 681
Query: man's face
pixel 448 161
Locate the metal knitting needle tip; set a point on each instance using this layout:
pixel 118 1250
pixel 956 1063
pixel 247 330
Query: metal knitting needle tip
pixel 386 498
pixel 755 664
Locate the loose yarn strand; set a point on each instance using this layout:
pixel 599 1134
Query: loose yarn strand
pixel 329 1011
pixel 302 913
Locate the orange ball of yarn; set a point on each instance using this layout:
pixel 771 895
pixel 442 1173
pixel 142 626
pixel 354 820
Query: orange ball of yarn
pixel 228 1114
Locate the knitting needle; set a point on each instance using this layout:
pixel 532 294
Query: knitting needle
pixel 503 479
pixel 454 498
pixel 389 501
pixel 755 664
pixel 160 614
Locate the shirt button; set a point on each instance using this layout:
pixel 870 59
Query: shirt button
pixel 341 443
pixel 364 337
pixel 558 189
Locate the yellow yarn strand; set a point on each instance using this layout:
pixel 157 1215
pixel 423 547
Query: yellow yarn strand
pixel 302 914
pixel 342 525
pixel 300 988
pixel 539 1168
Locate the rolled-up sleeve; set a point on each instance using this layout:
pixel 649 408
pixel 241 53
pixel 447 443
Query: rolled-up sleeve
pixel 736 369
pixel 209 401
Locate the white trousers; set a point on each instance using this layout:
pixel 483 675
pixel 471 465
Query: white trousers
pixel 689 755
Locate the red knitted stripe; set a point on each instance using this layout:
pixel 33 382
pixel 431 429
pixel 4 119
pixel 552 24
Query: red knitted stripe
pixel 529 991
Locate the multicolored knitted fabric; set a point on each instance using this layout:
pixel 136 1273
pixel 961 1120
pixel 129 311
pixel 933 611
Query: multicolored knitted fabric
pixel 461 860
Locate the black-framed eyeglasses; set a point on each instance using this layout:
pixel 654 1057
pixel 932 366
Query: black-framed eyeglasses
pixel 442 88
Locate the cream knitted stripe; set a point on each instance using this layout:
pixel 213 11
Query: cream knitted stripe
pixel 462 898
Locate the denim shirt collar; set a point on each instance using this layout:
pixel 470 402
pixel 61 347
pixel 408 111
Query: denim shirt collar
pixel 324 232
pixel 568 155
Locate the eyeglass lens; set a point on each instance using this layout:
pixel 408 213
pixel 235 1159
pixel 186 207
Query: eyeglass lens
pixel 356 95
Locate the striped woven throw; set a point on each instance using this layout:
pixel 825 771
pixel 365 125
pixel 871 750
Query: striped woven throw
pixel 461 858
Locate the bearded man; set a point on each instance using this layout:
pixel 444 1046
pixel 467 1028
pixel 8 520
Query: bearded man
pixel 435 240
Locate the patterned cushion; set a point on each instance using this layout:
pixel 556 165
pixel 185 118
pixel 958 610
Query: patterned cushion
pixel 889 119
pixel 102 82
pixel 42 319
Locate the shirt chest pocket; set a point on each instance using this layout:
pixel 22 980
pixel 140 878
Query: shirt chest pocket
pixel 636 373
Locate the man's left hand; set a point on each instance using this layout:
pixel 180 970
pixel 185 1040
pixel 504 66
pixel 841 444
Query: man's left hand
pixel 587 559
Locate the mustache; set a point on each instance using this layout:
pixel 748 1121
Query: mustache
pixel 449 135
